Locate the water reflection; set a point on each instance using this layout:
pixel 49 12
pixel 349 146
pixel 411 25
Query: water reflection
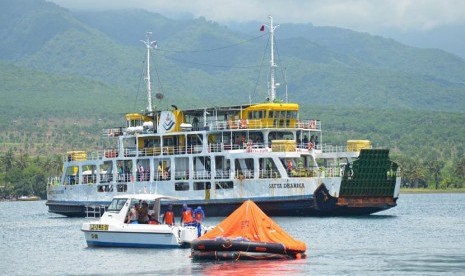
pixel 243 267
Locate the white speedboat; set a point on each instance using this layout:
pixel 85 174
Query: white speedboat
pixel 113 229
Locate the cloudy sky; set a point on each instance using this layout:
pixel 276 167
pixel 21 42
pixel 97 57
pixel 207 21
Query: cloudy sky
pixel 424 23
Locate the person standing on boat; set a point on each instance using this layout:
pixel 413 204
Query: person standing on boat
pixel 133 214
pixel 168 217
pixel 186 215
pixel 199 216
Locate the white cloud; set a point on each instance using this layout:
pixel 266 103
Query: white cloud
pixel 362 15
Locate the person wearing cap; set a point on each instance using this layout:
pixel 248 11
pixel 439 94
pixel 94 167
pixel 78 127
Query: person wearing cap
pixel 168 217
pixel 186 215
pixel 199 216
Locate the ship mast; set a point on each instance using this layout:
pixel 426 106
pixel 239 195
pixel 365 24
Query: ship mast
pixel 273 66
pixel 149 44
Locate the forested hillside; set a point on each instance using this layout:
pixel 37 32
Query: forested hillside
pixel 65 75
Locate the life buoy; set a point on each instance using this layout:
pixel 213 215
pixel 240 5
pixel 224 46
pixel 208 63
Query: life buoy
pixel 243 123
pixel 310 146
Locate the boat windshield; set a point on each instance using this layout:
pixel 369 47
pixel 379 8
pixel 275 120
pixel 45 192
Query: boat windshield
pixel 116 204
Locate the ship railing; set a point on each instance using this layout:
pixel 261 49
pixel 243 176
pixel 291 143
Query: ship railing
pixel 54 181
pixel 89 179
pixel 330 171
pixel 222 174
pixel 110 153
pixel 94 211
pixel 106 177
pixel 162 175
pixel 241 174
pixel 112 132
pixel 309 124
pixel 257 124
pixel 181 175
pixel 143 175
pixel 125 177
pixel 306 146
pixel 268 173
pixel 171 150
pixel 201 174
pixel 326 148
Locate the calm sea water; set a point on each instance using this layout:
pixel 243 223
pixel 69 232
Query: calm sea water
pixel 423 235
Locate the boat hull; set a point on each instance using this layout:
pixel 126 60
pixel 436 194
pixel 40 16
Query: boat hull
pixel 285 206
pixel 133 239
pixel 76 208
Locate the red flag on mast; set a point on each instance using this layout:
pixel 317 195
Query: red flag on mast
pixel 262 28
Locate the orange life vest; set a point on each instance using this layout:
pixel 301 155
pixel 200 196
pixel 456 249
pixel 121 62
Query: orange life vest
pixel 198 217
pixel 169 217
pixel 187 216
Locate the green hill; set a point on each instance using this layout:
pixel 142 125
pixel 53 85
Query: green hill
pixel 207 61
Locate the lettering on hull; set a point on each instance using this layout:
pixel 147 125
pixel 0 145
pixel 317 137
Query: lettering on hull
pixel 286 185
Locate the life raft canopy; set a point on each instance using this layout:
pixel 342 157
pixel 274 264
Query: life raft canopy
pixel 247 232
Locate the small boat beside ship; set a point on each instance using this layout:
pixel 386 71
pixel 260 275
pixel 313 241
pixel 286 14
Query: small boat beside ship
pixel 114 230
pixel 28 198
pixel 220 156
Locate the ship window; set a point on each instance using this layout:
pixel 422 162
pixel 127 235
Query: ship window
pixel 121 188
pixel 268 168
pixel 124 169
pixel 294 114
pixel 162 170
pixel 104 188
pixel 244 168
pixel 72 175
pixel 278 135
pixel 224 185
pixel 201 185
pixel 89 175
pixel 106 172
pixel 181 168
pixel 181 186
pixel 270 114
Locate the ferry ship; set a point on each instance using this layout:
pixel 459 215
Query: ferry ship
pixel 218 157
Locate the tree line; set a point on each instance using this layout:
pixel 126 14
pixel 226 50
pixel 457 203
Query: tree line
pixel 24 175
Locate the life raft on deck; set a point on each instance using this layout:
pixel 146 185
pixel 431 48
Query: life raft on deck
pixel 229 249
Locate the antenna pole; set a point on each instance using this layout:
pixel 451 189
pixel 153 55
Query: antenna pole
pixel 272 64
pixel 147 78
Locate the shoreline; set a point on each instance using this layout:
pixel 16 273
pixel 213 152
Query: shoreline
pixel 430 191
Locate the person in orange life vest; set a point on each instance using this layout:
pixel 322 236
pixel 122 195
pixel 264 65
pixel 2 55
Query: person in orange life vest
pixel 199 215
pixel 168 217
pixel 186 215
